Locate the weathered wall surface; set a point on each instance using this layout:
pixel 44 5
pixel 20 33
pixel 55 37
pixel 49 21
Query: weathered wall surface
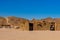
pixel 57 21
pixel 2 20
pixel 18 22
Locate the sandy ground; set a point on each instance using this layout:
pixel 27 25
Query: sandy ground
pixel 12 34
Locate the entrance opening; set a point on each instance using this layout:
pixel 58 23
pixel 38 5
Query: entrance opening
pixel 30 26
pixel 52 28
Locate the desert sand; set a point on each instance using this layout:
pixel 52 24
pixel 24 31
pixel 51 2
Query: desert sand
pixel 12 34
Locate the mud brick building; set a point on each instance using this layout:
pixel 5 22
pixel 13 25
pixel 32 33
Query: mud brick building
pixel 51 24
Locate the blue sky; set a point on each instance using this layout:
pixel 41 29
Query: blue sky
pixel 30 8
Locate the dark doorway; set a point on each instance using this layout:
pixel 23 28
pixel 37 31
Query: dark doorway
pixel 52 28
pixel 30 26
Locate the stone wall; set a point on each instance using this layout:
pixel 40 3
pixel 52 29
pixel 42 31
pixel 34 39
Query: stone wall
pixel 24 24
